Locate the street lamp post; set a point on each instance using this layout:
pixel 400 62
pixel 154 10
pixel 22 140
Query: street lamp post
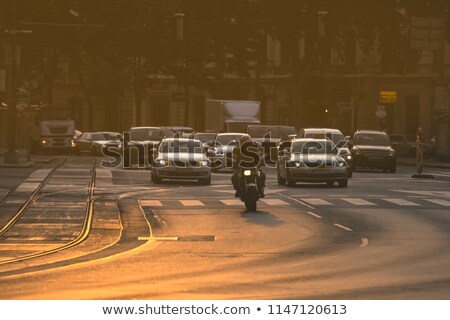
pixel 12 156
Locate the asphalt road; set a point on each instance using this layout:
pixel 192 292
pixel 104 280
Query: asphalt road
pixel 386 236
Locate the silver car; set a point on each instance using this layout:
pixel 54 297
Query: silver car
pixel 181 159
pixel 312 160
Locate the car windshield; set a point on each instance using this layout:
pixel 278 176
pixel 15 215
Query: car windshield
pixel 113 136
pixel 205 137
pixel 336 137
pixel 313 147
pixel 175 146
pixel 371 139
pixel 228 139
pixel 100 136
pixel 144 134
pixel 261 131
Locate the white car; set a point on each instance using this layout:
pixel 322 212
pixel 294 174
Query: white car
pixel 181 159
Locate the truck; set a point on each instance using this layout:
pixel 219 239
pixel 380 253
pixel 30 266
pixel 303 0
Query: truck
pixel 53 130
pixel 231 115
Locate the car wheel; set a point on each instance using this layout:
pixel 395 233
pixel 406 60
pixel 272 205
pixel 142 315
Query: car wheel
pixel 393 169
pixel 330 183
pixel 385 170
pixel 349 172
pixel 206 181
pixel 290 182
pixel 343 183
pixel 155 179
pixel 281 181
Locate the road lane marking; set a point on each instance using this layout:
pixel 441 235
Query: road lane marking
pixel 317 202
pixel 342 227
pixel 232 202
pixel 364 242
pixel 192 203
pixel 359 202
pixel 440 202
pixel 150 203
pixel 401 202
pixel 275 202
pixel 314 215
pixel 298 201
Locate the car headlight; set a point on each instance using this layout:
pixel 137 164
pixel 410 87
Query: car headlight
pixel 391 153
pixel 356 151
pixel 294 164
pixel 203 163
pixel 348 157
pixel 339 164
pixel 44 141
pixel 247 173
pixel 162 162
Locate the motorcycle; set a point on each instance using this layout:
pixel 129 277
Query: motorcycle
pixel 249 187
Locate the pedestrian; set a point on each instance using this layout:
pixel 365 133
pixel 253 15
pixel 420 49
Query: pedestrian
pixel 419 151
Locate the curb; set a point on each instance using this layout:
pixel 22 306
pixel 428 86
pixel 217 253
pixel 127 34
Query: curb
pixel 17 165
pixel 429 165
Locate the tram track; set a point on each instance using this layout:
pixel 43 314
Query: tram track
pixel 37 194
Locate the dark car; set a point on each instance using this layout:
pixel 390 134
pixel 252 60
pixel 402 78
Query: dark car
pixel 269 137
pixel 372 149
pixel 94 142
pixel 206 138
pixel 405 145
pixel 312 160
pixel 143 141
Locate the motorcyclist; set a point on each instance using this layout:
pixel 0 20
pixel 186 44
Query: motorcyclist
pixel 247 155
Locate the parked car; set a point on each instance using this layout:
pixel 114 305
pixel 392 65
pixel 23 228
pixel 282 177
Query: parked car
pixel 221 151
pixel 93 142
pixel 405 145
pixel 336 136
pixel 139 149
pixel 372 149
pixel 181 159
pixel 312 160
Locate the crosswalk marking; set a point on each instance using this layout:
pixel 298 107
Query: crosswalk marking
pixel 400 202
pixel 440 202
pixel 280 202
pixel 317 202
pixel 359 202
pixel 150 203
pixel 231 202
pixel 275 202
pixel 192 203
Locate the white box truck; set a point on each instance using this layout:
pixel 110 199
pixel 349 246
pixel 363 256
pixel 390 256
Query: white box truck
pixel 231 115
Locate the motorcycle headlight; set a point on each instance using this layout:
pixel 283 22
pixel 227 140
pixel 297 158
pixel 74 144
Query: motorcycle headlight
pixel 247 173
pixel 203 163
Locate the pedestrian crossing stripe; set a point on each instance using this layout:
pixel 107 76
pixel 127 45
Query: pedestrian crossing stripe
pixel 280 203
pixel 440 202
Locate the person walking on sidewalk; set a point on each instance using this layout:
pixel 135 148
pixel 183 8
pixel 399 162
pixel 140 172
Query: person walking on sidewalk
pixel 419 151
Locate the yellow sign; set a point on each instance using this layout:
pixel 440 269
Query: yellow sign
pixel 388 96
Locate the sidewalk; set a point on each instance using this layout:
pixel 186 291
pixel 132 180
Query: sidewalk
pixel 427 163
pixel 25 162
